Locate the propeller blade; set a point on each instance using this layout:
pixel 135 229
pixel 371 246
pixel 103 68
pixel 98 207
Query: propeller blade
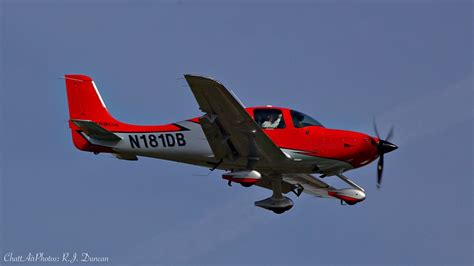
pixel 375 130
pixel 383 146
pixel 379 171
pixel 390 134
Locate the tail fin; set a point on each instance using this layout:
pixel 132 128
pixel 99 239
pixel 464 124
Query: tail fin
pixel 85 103
pixel 84 100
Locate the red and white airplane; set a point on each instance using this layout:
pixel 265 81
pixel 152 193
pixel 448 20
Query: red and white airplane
pixel 271 147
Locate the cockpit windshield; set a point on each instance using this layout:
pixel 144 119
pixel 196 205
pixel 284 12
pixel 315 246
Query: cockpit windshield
pixel 303 120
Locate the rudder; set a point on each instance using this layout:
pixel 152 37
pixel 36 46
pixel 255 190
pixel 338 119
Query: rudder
pixel 84 99
pixel 85 103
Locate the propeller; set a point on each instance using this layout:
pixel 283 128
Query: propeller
pixel 384 146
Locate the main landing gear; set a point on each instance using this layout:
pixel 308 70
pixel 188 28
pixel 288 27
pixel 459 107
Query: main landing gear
pixel 277 202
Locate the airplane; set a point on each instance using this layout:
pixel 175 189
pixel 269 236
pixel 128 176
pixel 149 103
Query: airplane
pixel 276 148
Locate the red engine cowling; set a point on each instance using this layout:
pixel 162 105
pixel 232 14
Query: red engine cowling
pixel 350 196
pixel 245 178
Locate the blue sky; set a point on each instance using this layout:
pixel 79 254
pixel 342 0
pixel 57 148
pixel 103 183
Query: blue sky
pixel 408 64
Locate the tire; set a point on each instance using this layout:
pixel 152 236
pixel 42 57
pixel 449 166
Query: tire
pixel 279 211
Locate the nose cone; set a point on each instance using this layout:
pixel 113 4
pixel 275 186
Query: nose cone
pixel 386 147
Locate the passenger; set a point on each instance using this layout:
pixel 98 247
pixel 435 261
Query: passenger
pixel 272 121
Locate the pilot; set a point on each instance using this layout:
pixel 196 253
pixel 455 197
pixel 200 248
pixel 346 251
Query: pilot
pixel 272 121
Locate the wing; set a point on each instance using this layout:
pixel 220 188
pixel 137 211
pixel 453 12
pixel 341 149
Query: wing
pixel 310 184
pixel 229 129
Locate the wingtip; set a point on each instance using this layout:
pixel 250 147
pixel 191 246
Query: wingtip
pixel 186 76
pixel 192 76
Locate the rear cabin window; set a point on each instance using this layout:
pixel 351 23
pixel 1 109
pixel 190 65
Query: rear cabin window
pixel 269 118
pixel 302 120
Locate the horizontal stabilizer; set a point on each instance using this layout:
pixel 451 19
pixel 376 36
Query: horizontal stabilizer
pixel 95 131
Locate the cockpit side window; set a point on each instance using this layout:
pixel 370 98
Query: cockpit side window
pixel 301 120
pixel 269 118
